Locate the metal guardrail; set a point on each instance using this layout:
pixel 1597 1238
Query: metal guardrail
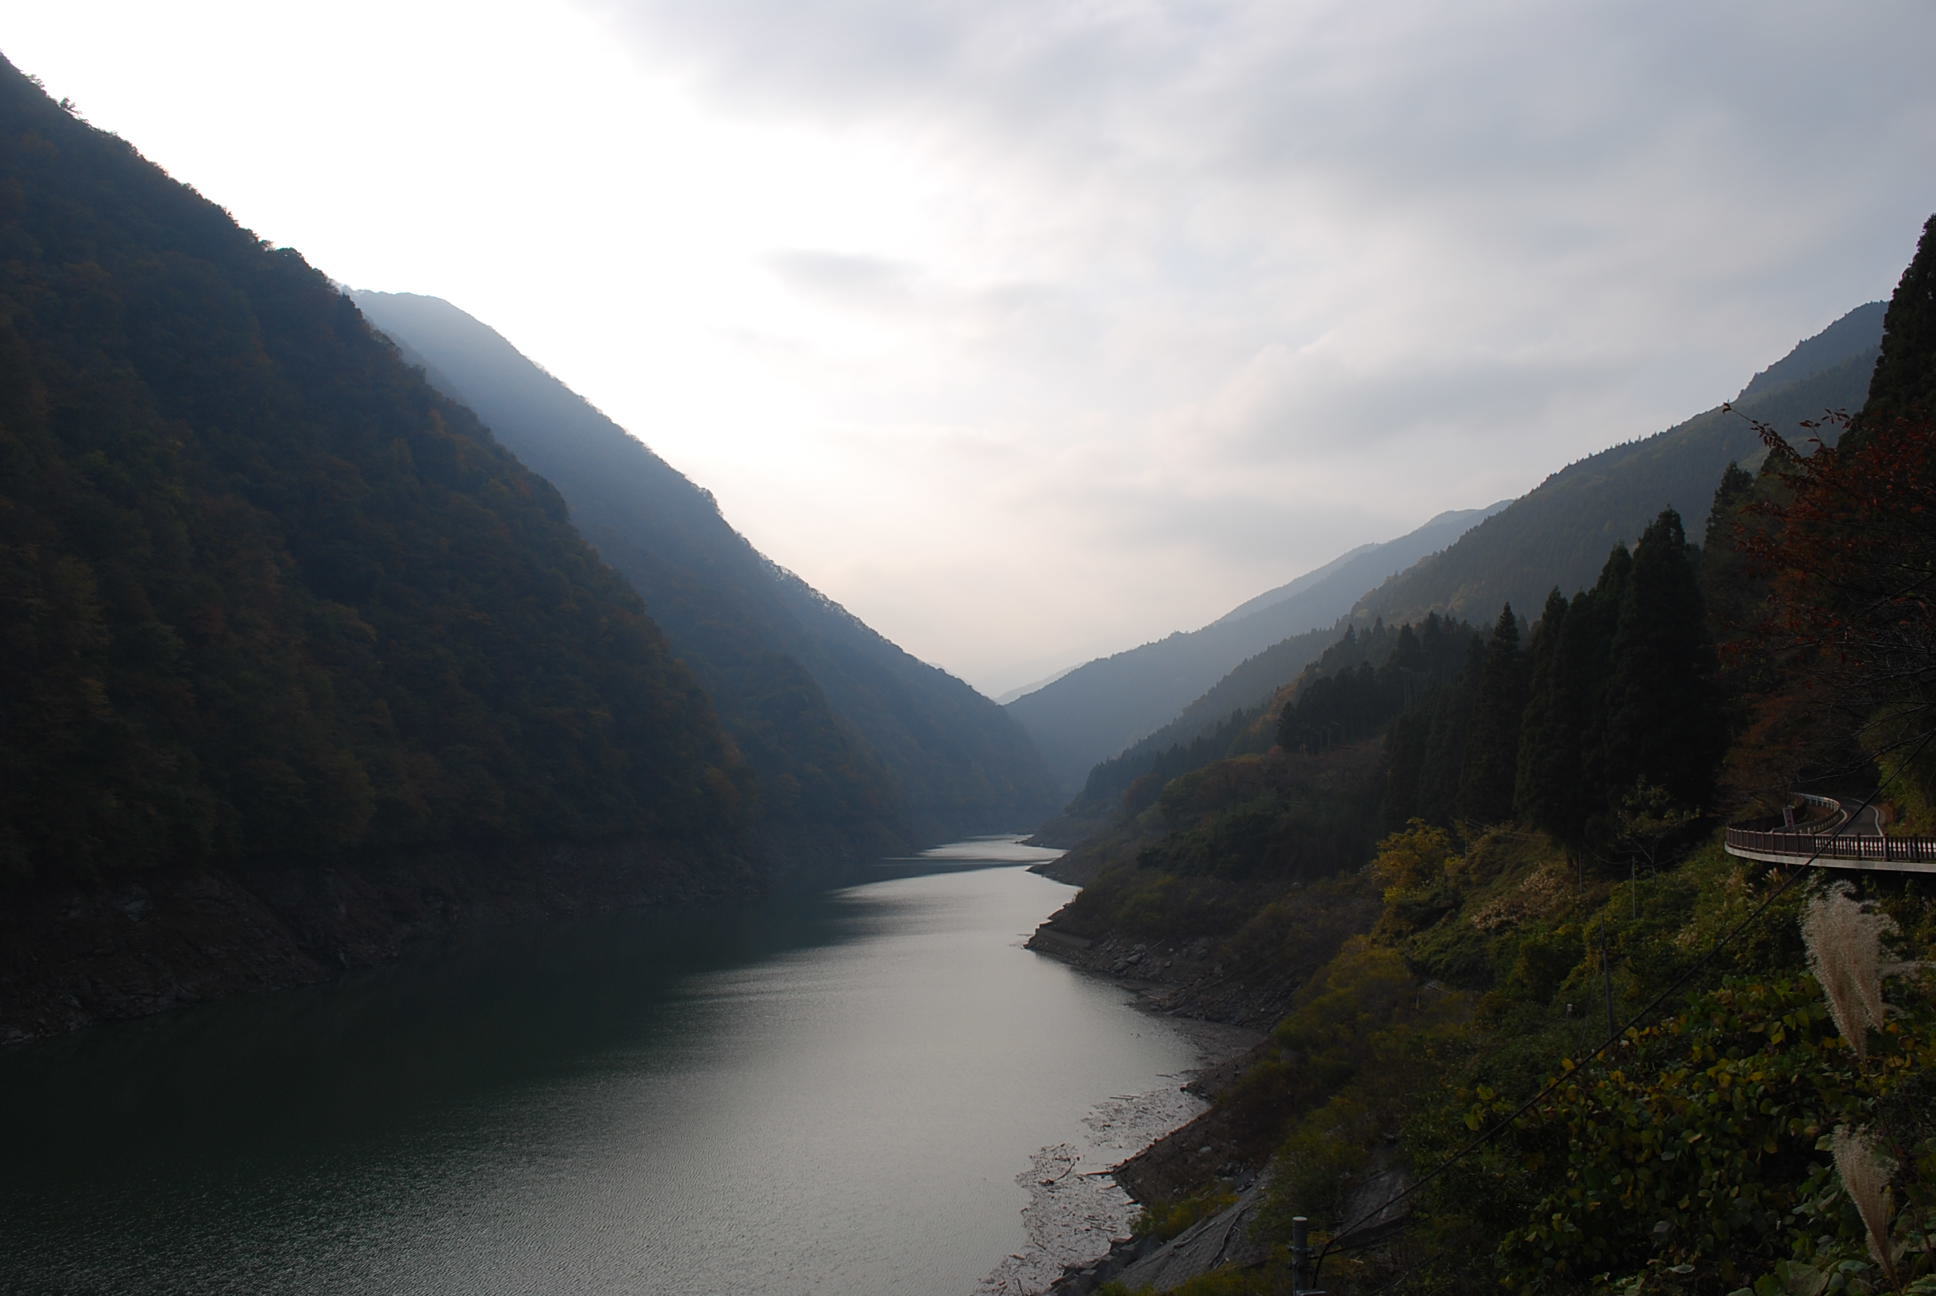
pixel 1831 846
pixel 1838 814
pixel 1835 848
pixel 1909 855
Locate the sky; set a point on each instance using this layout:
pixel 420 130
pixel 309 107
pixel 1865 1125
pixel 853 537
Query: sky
pixel 1031 330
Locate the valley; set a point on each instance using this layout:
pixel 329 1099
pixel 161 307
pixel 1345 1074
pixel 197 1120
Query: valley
pixel 446 846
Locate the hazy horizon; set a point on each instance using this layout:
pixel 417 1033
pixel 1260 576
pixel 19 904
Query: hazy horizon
pixel 1029 333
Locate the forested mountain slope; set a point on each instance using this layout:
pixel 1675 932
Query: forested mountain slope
pixel 841 725
pixel 1477 888
pixel 296 660
pixel 1096 710
pixel 1558 534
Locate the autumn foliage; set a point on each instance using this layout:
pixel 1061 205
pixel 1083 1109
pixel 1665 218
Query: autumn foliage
pixel 1846 538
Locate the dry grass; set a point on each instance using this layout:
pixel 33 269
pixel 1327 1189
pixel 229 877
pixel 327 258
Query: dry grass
pixel 1844 939
pixel 1545 892
pixel 1865 1176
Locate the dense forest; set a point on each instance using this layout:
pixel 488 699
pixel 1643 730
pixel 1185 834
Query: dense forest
pixel 300 665
pixel 841 728
pixel 273 595
pixel 1557 534
pixel 1530 1027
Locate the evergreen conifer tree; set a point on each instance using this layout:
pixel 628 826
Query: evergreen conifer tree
pixel 1442 773
pixel 1904 385
pixel 1546 788
pixel 1492 754
pixel 1404 762
pixel 1586 652
pixel 1664 722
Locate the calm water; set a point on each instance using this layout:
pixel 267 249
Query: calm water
pixel 833 1097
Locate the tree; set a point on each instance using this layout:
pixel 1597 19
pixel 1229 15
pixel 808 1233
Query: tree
pixel 1546 783
pixel 1904 385
pixel 1492 755
pixel 1851 552
pixel 1664 721
pixel 1847 538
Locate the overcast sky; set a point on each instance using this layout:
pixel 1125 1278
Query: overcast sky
pixel 1033 330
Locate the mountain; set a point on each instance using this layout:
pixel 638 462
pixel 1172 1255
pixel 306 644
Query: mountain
pixel 1559 534
pixel 1452 846
pixel 1271 598
pixel 1009 695
pixel 298 663
pixel 839 724
pixel 1094 711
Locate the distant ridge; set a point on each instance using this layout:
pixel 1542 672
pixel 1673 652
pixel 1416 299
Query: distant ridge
pixel 842 725
pixel 1271 598
pixel 1097 709
pixel 1559 533
pixel 1003 699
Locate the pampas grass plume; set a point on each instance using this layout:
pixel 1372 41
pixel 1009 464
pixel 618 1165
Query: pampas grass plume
pixel 1865 1176
pixel 1844 939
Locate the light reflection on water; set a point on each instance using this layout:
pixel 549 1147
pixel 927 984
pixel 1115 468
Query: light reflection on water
pixel 833 1096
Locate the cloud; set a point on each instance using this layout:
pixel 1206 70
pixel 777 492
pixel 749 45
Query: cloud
pixel 1104 314
pixel 866 282
pixel 1285 277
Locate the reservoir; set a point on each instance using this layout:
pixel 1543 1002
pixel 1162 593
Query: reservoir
pixel 830 1094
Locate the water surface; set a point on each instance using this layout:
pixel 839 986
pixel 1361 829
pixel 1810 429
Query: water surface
pixel 831 1095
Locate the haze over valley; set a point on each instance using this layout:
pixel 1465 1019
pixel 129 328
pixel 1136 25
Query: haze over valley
pixel 1029 338
pixel 1033 650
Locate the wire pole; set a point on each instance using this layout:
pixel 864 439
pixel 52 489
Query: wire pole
pixel 1606 980
pixel 1301 1268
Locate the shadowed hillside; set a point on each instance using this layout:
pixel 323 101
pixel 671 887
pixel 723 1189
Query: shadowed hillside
pixel 297 661
pixel 841 725
pixel 1558 535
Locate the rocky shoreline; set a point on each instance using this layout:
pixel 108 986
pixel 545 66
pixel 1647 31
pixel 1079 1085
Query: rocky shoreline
pixel 1182 980
pixel 1185 983
pixel 1085 1194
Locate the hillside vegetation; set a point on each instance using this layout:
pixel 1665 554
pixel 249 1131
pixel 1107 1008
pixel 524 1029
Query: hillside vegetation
pixel 297 660
pixel 842 729
pixel 1558 533
pixel 1519 997
pixel 1556 536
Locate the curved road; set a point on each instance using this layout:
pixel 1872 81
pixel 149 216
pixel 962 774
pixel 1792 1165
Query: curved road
pixel 1857 844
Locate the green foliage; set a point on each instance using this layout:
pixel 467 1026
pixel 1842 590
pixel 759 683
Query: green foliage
pixel 1619 686
pixel 1702 1144
pixel 1546 782
pixel 1904 385
pixel 1664 721
pixel 1166 1222
pixel 1412 859
pixel 1700 1151
pixel 1498 704
pixel 270 596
